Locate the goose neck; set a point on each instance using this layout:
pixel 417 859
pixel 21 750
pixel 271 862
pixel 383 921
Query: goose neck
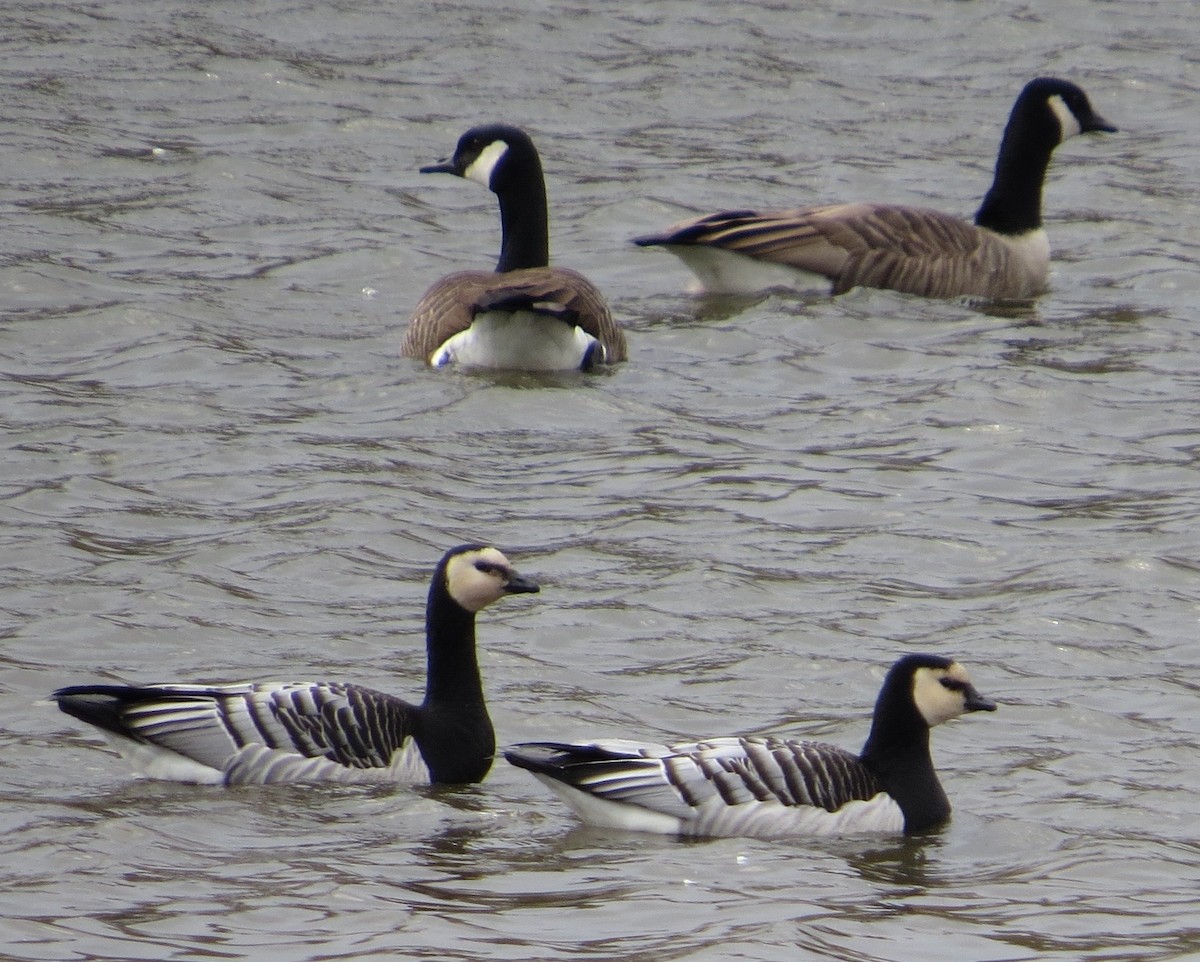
pixel 453 668
pixel 905 770
pixel 524 223
pixel 1013 205
pixel 895 747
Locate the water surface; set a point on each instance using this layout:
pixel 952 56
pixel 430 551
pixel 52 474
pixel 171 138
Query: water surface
pixel 217 467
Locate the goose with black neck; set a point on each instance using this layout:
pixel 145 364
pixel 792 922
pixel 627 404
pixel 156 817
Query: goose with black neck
pixel 323 731
pixel 1003 254
pixel 526 314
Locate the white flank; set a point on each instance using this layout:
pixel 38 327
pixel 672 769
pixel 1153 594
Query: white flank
pixel 164 764
pixel 602 813
pixel 774 820
pixel 716 819
pixel 518 341
pixel 259 765
pixel 724 272
pixel 408 765
pixel 482 166
pixel 1028 257
pixel 1032 247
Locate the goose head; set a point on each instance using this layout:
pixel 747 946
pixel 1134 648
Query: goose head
pixel 494 155
pixel 940 688
pixel 919 692
pixel 1062 106
pixel 476 575
pixel 504 160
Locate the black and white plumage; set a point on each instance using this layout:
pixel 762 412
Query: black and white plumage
pixel 768 786
pixel 526 314
pixel 264 732
pixel 1004 254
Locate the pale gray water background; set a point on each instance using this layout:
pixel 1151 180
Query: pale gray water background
pixel 217 467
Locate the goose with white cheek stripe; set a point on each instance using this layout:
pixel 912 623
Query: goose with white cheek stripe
pixel 1004 254
pixel 266 732
pixel 767 786
pixel 525 315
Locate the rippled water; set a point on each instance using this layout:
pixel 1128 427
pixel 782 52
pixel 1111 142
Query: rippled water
pixel 217 467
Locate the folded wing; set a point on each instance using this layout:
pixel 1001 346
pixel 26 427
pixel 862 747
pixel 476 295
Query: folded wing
pixel 254 732
pixel 761 786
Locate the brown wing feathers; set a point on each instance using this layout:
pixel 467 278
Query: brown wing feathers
pixel 450 305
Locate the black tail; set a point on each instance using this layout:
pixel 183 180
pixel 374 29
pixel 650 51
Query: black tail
pixel 694 230
pixel 512 301
pixel 557 758
pixel 99 705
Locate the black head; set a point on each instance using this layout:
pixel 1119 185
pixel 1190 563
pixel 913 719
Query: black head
pixel 1066 103
pixel 491 155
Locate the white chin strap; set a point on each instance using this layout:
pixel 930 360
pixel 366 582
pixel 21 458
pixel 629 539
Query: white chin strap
pixel 1067 120
pixel 482 166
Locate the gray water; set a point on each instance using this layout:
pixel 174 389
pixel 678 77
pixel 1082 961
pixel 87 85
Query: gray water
pixel 217 467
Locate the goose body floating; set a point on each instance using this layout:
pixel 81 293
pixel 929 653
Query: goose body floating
pixel 767 786
pixel 1003 254
pixel 526 314
pixel 265 732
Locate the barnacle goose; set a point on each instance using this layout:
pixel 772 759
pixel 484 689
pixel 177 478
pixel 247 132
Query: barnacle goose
pixel 525 315
pixel 1004 254
pixel 768 786
pixel 265 732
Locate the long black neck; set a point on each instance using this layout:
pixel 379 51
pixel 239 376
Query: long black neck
pixel 453 668
pixel 1013 205
pixel 898 755
pixel 524 220
pixel 455 734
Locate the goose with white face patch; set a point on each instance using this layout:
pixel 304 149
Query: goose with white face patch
pixel 767 786
pixel 1004 254
pixel 267 732
pixel 526 314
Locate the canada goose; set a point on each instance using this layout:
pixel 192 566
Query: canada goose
pixel 524 315
pixel 1004 254
pixel 263 732
pixel 767 786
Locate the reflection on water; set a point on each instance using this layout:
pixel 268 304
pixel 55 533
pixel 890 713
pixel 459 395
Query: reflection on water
pixel 218 468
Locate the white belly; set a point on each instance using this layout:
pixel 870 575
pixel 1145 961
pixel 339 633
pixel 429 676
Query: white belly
pixel 716 819
pixel 772 820
pixel 517 341
pixel 724 272
pixel 259 765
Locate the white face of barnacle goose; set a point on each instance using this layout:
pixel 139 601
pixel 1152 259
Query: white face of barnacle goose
pixel 476 578
pixel 944 693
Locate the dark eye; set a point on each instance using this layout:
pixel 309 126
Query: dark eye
pixel 485 566
pixel 953 684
